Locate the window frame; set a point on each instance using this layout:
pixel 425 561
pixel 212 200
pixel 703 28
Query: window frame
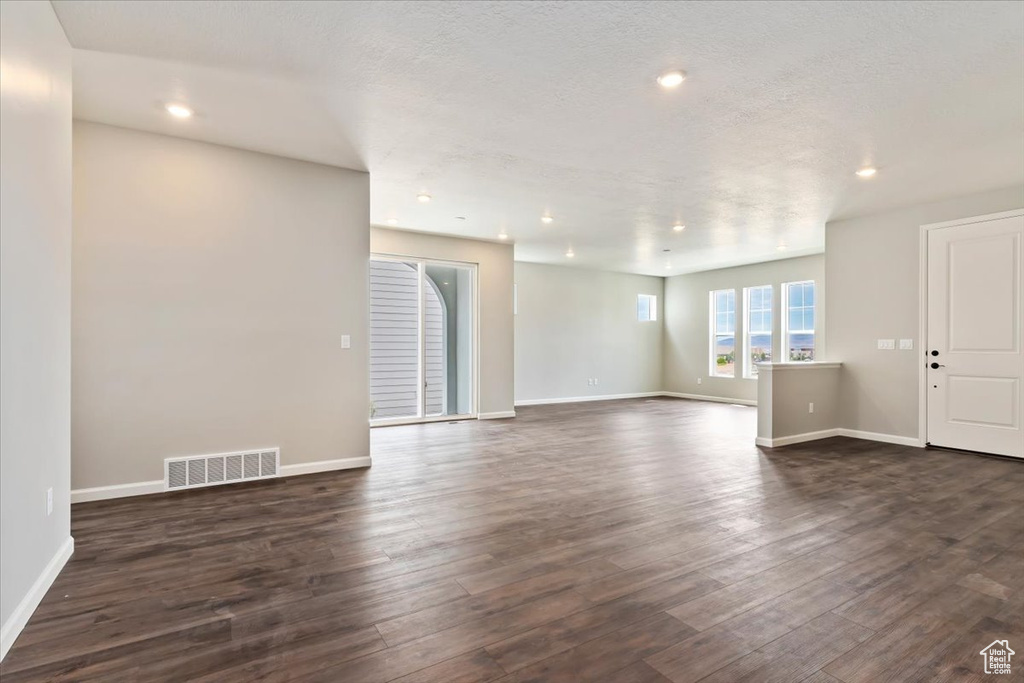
pixel 784 314
pixel 714 332
pixel 652 308
pixel 749 368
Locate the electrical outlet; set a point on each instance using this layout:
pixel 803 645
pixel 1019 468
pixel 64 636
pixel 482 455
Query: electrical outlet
pixel 49 501
pixel 346 341
pixel 698 380
pixel 810 407
pixel 595 381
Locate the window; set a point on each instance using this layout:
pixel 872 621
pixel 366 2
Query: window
pixel 798 322
pixel 646 307
pixel 723 333
pixel 758 304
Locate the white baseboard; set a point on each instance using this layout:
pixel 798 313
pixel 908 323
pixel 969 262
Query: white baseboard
pixel 581 399
pixel 142 488
pixel 324 466
pixel 138 488
pixel 795 438
pixel 20 616
pixel 496 416
pixel 839 431
pixel 884 438
pixel 714 399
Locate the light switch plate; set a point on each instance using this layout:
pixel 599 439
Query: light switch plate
pixel 906 344
pixel 886 344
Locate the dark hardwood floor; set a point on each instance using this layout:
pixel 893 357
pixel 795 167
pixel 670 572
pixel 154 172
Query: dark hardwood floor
pixel 625 541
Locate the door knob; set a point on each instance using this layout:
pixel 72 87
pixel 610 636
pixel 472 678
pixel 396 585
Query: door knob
pixel 936 366
pixel 935 352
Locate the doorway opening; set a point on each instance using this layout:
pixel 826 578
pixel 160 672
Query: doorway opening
pixel 422 340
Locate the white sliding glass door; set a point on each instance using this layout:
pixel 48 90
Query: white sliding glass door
pixel 421 340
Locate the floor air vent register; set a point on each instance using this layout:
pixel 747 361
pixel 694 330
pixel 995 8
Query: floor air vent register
pixel 221 468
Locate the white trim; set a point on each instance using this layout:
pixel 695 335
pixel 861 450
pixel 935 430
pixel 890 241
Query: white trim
pixel 21 614
pixel 138 488
pixel 713 399
pixel 141 488
pixel 325 466
pixel 838 431
pixel 922 312
pixel 796 438
pixel 884 438
pixel 501 415
pixel 799 365
pixel 399 421
pixel 582 399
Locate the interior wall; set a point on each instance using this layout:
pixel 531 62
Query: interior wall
pixel 574 325
pixel 687 333
pixel 494 273
pixel 872 265
pixel 212 287
pixel 35 307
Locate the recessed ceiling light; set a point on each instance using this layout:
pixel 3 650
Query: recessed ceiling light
pixel 671 79
pixel 781 247
pixel 679 227
pixel 668 266
pixel 867 172
pixel 423 198
pixel 392 221
pixel 569 254
pixel 444 283
pixel 546 219
pixel 178 111
pixel 502 236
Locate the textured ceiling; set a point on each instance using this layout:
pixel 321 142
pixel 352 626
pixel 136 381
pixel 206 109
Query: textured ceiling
pixel 503 111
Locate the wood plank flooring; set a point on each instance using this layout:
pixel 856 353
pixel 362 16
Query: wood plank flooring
pixel 636 541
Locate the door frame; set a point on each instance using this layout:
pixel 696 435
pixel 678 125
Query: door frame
pixel 474 365
pixel 922 334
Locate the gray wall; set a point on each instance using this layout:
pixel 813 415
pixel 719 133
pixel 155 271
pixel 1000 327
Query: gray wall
pixel 686 322
pixel 575 324
pixel 872 269
pixel 784 395
pixel 211 290
pixel 494 272
pixel 35 300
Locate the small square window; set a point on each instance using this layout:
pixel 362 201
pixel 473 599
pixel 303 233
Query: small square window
pixel 646 308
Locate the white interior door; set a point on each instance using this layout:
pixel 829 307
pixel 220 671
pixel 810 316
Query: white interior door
pixel 975 358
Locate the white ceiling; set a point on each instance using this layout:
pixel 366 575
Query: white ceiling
pixel 503 111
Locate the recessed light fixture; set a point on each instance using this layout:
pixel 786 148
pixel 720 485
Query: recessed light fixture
pixel 569 254
pixel 179 111
pixel 668 266
pixel 444 283
pixel 546 219
pixel 671 79
pixel 423 197
pixel 867 172
pixel 502 236
pixel 781 247
pixel 679 227
pixel 392 221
